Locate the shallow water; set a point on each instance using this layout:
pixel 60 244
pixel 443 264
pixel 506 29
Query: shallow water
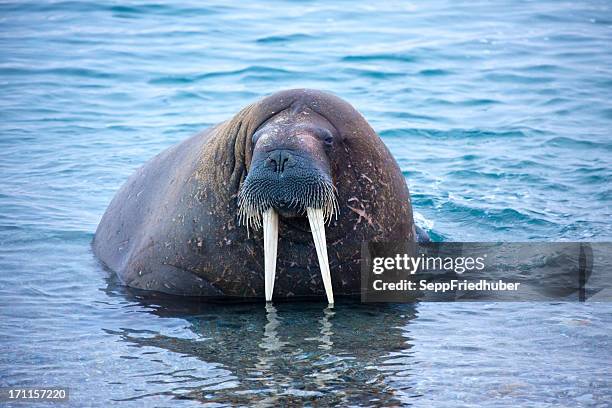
pixel 499 115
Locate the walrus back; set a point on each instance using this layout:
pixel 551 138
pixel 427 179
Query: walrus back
pixel 131 216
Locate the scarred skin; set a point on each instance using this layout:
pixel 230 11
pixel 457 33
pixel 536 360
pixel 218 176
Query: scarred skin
pixel 173 226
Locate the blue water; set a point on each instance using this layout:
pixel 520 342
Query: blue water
pixel 499 115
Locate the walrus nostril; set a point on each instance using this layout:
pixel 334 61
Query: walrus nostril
pixel 280 160
pixel 272 164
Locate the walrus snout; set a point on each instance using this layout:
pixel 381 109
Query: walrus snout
pixel 287 182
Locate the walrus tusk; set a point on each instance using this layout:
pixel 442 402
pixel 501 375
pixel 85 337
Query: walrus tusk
pixel 317 225
pixel 270 227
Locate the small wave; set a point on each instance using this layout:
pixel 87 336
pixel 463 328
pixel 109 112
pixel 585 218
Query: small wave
pixel 474 175
pixel 435 72
pixel 518 79
pixel 564 141
pixel 479 102
pixel 188 95
pixel 79 6
pixel 456 133
pixel 371 73
pixel 421 200
pixel 192 78
pixel 275 39
pixel 414 116
pixel 606 113
pixel 133 11
pixel 539 68
pixel 496 218
pixel 400 57
pixel 463 102
pixel 31 234
pixel 556 101
pixel 63 71
pixel 422 222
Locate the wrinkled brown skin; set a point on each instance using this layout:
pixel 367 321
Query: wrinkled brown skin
pixel 173 226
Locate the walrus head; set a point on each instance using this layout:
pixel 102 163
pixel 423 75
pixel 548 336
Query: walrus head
pixel 290 169
pixel 290 175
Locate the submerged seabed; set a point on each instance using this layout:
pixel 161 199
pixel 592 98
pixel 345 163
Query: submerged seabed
pixel 499 115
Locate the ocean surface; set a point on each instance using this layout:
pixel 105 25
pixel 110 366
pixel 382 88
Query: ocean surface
pixel 498 113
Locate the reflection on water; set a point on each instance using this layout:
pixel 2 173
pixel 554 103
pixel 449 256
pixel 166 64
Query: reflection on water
pixel 285 353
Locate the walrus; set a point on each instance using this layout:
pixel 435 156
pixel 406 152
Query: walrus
pixel 275 201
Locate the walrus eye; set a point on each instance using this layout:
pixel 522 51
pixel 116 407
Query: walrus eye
pixel 326 136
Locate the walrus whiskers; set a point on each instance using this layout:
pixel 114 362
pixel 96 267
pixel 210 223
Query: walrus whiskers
pixel 252 203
